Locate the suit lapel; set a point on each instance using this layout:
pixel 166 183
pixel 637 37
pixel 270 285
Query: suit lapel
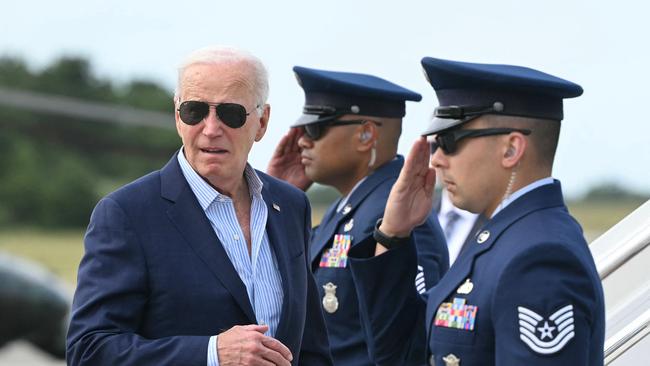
pixel 278 239
pixel 190 219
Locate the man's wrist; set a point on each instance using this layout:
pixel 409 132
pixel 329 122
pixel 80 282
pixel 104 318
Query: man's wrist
pixel 389 239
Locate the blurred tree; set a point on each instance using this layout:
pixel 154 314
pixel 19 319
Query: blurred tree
pixel 147 95
pixel 611 191
pixel 72 76
pixel 52 168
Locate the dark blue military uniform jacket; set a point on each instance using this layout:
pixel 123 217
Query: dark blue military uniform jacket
pixel 357 220
pixel 528 278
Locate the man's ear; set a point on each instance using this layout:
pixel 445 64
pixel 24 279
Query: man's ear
pixel 514 148
pixel 263 121
pixel 367 136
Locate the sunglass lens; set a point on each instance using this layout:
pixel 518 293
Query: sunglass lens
pixel 232 114
pixel 433 146
pixel 447 142
pixel 193 112
pixel 313 131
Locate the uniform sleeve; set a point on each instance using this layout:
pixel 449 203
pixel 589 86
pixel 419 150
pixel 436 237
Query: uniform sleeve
pixel 432 252
pixel 545 309
pixel 110 300
pixel 314 348
pixel 391 310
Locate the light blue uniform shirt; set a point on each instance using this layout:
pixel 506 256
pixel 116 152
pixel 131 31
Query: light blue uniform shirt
pixel 259 271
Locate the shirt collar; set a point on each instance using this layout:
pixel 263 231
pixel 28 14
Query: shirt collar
pixel 508 200
pixel 205 193
pixel 346 198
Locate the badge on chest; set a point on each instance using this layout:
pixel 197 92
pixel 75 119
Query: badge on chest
pixel 337 255
pixel 456 314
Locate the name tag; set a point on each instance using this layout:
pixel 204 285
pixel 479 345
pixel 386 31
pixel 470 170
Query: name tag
pixel 456 315
pixel 337 255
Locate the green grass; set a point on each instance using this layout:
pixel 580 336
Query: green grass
pixel 596 217
pixel 60 251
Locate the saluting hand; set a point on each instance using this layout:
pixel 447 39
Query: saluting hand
pixel 411 198
pixel 247 345
pixel 285 163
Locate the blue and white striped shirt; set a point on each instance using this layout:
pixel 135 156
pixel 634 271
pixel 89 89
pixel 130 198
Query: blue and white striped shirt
pixel 259 272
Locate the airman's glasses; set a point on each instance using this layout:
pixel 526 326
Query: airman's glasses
pixel 448 141
pixel 232 115
pixel 316 130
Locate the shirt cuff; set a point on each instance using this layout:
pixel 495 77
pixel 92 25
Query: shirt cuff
pixel 213 355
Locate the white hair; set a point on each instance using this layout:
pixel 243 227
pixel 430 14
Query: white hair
pixel 226 54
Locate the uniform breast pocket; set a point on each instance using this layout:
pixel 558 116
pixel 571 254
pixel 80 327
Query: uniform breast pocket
pixel 452 335
pixel 455 322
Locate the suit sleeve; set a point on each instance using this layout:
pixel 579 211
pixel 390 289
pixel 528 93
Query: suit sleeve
pixel 391 310
pixel 111 298
pixel 315 348
pixel 545 309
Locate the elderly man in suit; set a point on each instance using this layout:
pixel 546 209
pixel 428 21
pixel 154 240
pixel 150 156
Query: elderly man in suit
pixel 204 262
pixel 526 290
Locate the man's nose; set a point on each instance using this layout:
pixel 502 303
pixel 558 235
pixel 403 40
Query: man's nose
pixel 212 125
pixel 304 142
pixel 438 159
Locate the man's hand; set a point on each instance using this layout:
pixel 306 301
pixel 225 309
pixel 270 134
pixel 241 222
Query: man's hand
pixel 411 198
pixel 285 163
pixel 247 345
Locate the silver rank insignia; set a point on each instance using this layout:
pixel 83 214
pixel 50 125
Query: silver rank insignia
pixel 349 225
pixel 347 209
pixel 466 287
pixel 554 332
pixel 483 236
pixel 330 302
pixel 451 360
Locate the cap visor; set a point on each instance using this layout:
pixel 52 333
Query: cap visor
pixel 307 119
pixel 440 124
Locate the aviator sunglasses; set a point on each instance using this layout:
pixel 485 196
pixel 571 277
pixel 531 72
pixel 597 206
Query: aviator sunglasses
pixel 232 115
pixel 448 141
pixel 316 130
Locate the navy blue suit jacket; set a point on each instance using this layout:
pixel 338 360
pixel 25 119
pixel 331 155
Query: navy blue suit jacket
pixel 530 258
pixel 155 282
pixel 358 218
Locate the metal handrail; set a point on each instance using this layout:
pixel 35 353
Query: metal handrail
pixel 627 337
pixel 633 232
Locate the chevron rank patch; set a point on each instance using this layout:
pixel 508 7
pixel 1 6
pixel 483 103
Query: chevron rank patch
pixel 546 336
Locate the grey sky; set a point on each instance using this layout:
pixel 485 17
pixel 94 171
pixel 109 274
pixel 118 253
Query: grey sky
pixel 601 45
